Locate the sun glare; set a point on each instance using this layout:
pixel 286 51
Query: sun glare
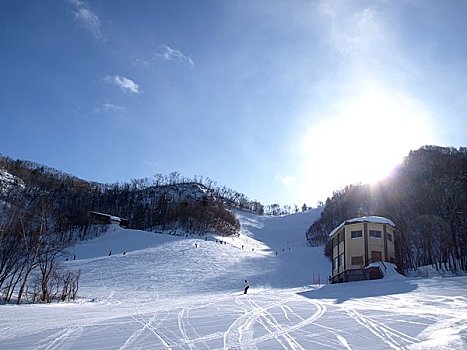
pixel 364 141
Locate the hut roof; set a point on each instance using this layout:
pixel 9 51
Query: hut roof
pixel 372 219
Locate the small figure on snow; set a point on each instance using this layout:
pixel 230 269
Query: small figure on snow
pixel 246 285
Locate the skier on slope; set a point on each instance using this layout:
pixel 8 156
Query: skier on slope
pixel 246 286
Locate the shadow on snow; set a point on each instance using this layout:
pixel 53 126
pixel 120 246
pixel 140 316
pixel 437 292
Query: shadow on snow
pixel 362 289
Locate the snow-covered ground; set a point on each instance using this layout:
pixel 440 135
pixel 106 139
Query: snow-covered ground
pixel 172 292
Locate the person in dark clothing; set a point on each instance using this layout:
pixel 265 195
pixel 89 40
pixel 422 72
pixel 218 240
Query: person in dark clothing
pixel 246 285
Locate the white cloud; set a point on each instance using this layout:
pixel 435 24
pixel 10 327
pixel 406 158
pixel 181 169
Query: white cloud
pixel 87 18
pixel 125 84
pixel 165 54
pixel 170 54
pixel 286 180
pixel 110 108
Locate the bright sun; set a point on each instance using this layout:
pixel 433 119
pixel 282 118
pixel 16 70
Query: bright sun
pixel 364 141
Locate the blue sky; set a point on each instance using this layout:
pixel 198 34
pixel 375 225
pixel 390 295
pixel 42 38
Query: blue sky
pixel 284 101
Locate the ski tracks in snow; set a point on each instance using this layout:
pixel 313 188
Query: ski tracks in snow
pixel 60 338
pixel 184 326
pixel 392 337
pixel 147 325
pixel 274 328
pixel 240 334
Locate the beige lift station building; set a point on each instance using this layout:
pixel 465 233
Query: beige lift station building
pixel 357 243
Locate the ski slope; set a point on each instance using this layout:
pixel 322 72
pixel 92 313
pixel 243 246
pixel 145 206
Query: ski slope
pixel 179 292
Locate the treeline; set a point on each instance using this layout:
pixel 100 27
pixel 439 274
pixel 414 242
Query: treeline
pixel 228 196
pixel 195 204
pixel 189 206
pixel 278 210
pixel 426 196
pixel 72 190
pixel 163 201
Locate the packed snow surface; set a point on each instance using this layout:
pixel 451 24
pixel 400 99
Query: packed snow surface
pixel 179 292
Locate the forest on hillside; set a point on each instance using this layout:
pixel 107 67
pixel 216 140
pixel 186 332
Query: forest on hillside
pixel 426 197
pixel 163 201
pixel 43 211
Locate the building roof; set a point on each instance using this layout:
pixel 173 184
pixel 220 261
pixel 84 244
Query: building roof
pixel 111 217
pixel 373 219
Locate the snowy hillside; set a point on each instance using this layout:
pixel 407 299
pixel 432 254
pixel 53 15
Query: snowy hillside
pixel 182 265
pixel 8 180
pixel 179 292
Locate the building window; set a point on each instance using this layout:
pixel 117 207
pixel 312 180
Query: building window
pixel 375 234
pixel 335 263
pixel 341 260
pixel 341 237
pixel 356 234
pixel 357 260
pixel 389 237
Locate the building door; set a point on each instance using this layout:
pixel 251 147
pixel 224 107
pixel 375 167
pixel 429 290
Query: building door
pixel 375 256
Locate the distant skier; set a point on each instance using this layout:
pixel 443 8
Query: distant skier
pixel 246 285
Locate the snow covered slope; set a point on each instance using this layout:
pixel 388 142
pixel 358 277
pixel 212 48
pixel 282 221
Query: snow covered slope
pixel 183 265
pixel 178 292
